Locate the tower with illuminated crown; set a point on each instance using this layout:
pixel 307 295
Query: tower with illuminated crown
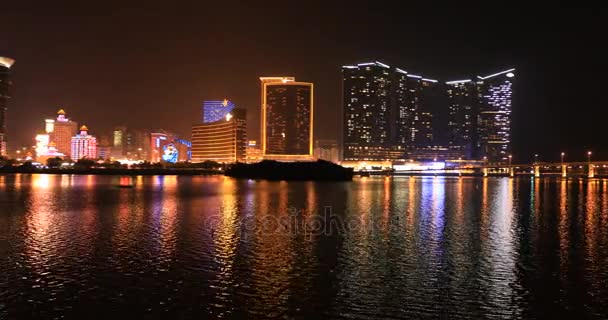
pixel 216 110
pixel 62 132
pixel 5 65
pixel 84 145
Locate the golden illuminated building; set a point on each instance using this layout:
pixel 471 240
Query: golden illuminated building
pixel 222 141
pixel 287 118
pixel 63 131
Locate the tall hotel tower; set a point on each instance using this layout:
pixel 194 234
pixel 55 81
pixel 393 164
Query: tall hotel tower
pixel 384 111
pixel 287 119
pixel 63 131
pixel 480 115
pixel 391 114
pixel 495 95
pixel 84 145
pixel 5 65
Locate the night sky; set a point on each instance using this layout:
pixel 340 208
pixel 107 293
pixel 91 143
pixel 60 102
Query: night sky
pixel 151 65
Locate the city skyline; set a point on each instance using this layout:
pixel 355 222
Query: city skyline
pixel 189 73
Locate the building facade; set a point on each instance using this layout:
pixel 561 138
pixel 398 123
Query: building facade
pixel 494 115
pixel 368 111
pixel 221 141
pixel 328 150
pixel 386 111
pixel 84 145
pixel 5 83
pixel 480 116
pixel 287 120
pixel 390 114
pixel 166 146
pixel 216 110
pixel 462 116
pixel 253 153
pixel 64 130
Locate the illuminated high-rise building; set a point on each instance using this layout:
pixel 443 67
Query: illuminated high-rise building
pixel 367 111
pixel 462 116
pixel 221 141
pixel 480 116
pixel 216 110
pixel 385 111
pixel 84 145
pixel 118 142
pixel 63 131
pixel 421 95
pixel 494 115
pixel 263 81
pixel 287 119
pixel 5 83
pixel 390 113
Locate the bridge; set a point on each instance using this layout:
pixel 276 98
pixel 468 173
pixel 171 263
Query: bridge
pixel 589 169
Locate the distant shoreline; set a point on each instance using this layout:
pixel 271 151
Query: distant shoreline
pixel 208 172
pixel 121 172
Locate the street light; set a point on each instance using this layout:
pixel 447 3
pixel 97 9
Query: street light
pixel 510 157
pixel 563 154
pixel 536 157
pixel 588 156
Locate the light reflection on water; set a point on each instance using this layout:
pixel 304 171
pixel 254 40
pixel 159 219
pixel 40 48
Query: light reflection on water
pixel 398 247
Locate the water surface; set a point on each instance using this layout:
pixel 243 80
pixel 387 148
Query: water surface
pixel 216 247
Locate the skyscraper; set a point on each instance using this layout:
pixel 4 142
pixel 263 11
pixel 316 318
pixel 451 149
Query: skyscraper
pixel 391 114
pixel 63 131
pixel 462 116
pixel 264 80
pixel 494 120
pixel 422 96
pixel 5 83
pixel 222 141
pixel 287 119
pixel 368 111
pixel 119 135
pixel 480 116
pixel 84 145
pixel 216 110
pixel 386 110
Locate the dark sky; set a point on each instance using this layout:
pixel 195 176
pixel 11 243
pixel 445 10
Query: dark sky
pixel 151 65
